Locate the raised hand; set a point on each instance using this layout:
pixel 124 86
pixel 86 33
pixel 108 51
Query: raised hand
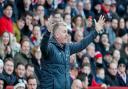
pixel 100 23
pixel 51 22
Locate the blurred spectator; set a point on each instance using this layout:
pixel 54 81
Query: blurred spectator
pixel 24 56
pixel 122 28
pixel 31 83
pixel 6 46
pixel 122 76
pixel 111 76
pixel 88 9
pixel 6 24
pixel 20 73
pixel 35 38
pixel 116 55
pixel 27 30
pixel 100 75
pixel 80 9
pixel 18 26
pixel 10 78
pixel 29 70
pixel 117 44
pixel 77 84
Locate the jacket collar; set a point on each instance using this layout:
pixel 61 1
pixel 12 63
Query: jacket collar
pixel 54 41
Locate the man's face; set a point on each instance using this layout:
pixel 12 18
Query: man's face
pixel 9 67
pixel 32 84
pixel 57 18
pixel 114 23
pixel 26 47
pixel 8 11
pixel 20 71
pixel 61 34
pixel 113 69
pixel 29 71
pixel 28 20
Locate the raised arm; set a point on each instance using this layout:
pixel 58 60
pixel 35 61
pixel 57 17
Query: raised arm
pixel 79 46
pixel 45 40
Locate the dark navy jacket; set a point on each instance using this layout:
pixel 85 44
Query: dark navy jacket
pixel 55 67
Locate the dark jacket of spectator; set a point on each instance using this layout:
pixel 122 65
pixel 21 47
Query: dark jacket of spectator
pixel 121 81
pixel 55 69
pixel 9 79
pixel 22 58
pixel 111 80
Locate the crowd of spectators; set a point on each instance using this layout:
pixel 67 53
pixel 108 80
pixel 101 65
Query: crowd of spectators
pixel 22 26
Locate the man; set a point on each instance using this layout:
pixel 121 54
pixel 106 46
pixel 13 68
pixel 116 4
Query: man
pixel 6 23
pixel 24 55
pixel 31 83
pixel 111 76
pixel 56 52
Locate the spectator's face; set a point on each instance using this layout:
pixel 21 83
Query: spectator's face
pixel 5 38
pixel 67 10
pixel 122 23
pixel 87 5
pixel 40 10
pixel 36 32
pixel 38 54
pixel 101 74
pixel 57 18
pixel 118 43
pixel 29 71
pixel 67 19
pixel 113 69
pixel 9 67
pixel 91 50
pixel 28 20
pixel 107 5
pixel 86 70
pixel 25 47
pixel 32 84
pixel 61 34
pixel 20 71
pixel 78 36
pixel 122 68
pixel 27 3
pixel 113 8
pixel 20 24
pixel 116 55
pixel 77 84
pixel 114 23
pixel 8 11
pixel 1 84
pixel 35 20
pixel 78 21
pixel 80 6
pixel 1 1
pixel 104 38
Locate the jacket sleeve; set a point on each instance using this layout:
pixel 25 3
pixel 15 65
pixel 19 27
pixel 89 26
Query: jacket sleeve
pixel 44 43
pixel 79 46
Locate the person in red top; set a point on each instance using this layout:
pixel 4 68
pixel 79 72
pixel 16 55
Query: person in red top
pixel 6 23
